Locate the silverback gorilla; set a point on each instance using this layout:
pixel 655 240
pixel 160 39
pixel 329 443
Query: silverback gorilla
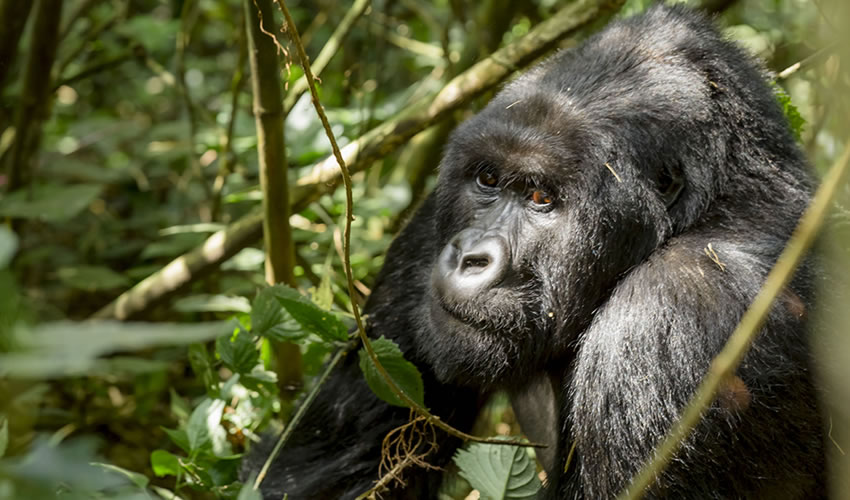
pixel 596 233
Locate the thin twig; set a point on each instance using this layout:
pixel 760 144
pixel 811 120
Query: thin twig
pixel 328 51
pixel 790 70
pixel 135 52
pixel 349 217
pixel 725 363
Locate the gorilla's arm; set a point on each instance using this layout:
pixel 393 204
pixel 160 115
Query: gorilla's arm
pixel 336 450
pixel 648 349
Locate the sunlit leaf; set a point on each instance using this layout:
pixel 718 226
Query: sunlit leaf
pixel 164 463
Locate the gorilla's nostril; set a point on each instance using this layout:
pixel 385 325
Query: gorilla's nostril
pixel 474 261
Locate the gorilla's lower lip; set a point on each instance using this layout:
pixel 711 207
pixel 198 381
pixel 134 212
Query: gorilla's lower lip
pixel 453 315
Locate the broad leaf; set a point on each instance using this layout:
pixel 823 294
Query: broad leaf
pixel 269 319
pixel 164 463
pixel 203 430
pixel 498 471
pixel 307 315
pixel 403 372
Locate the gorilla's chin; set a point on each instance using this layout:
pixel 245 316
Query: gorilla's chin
pixel 469 353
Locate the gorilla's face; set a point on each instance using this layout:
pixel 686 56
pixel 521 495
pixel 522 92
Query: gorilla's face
pixel 538 216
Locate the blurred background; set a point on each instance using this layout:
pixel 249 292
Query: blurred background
pixel 129 152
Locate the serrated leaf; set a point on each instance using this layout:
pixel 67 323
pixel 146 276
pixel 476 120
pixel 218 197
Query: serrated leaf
pixel 405 375
pixel 311 317
pixel 792 114
pixel 199 360
pixel 238 352
pixel 164 463
pixel 269 319
pixel 498 471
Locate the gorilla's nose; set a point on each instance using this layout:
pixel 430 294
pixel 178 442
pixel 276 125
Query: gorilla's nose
pixel 471 263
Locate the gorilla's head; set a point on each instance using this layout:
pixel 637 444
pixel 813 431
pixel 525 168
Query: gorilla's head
pixel 576 173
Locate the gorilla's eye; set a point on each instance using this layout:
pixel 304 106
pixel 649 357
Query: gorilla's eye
pixel 487 179
pixel 541 198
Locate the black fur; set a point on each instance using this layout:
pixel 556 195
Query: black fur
pixel 674 182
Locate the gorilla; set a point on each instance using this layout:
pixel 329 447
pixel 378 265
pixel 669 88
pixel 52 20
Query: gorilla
pixel 595 235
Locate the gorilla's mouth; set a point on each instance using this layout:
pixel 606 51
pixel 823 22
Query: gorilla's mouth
pixel 502 313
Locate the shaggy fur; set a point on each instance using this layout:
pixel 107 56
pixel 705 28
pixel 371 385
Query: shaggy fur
pixel 674 183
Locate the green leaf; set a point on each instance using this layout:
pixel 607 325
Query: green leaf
pixel 403 372
pixel 139 480
pixel 178 437
pixel 49 202
pixel 203 423
pixel 247 259
pixel 67 348
pixel 164 463
pixel 179 407
pixel 204 432
pixel 249 493
pixel 8 246
pixel 324 295
pixel 92 278
pixel 792 114
pixel 260 377
pixel 498 471
pixel 238 351
pixel 212 303
pixel 311 318
pixel 4 436
pixel 269 319
pixel 172 246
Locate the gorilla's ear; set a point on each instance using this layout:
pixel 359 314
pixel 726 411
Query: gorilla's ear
pixel 670 184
